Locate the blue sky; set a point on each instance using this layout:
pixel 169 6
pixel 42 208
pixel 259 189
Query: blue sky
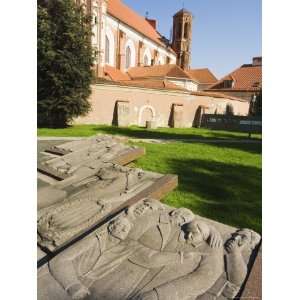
pixel 226 33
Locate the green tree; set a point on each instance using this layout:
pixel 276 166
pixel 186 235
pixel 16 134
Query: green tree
pixel 65 58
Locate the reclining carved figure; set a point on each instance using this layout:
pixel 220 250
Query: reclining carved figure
pixel 162 260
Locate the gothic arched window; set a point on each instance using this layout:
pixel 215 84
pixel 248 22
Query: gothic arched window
pixel 186 30
pixel 128 57
pixel 107 47
pixel 146 60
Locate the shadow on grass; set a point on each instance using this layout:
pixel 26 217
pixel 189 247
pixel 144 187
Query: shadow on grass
pixel 185 137
pixel 135 132
pixel 227 193
pixel 255 148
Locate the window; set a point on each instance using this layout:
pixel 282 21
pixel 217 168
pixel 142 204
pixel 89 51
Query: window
pixel 228 84
pixel 186 30
pixel 147 57
pixel 128 57
pixel 179 30
pixel 107 47
pixel 146 60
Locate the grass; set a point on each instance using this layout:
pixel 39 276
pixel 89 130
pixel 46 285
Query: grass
pixel 216 181
pixel 221 181
pixel 138 132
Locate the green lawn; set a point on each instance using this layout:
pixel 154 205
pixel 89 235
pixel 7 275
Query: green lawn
pixel 218 181
pixel 221 181
pixel 138 132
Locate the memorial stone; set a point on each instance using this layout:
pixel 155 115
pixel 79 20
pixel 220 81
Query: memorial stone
pixel 152 251
pixel 104 234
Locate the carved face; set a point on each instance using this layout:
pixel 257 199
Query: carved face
pixel 181 216
pixel 119 228
pixel 246 237
pixel 196 232
pixel 241 239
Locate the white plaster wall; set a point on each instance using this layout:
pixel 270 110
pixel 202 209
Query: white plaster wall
pixel 135 36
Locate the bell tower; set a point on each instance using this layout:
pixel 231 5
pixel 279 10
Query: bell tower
pixel 182 37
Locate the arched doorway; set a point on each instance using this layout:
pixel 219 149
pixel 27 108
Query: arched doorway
pixel 147 113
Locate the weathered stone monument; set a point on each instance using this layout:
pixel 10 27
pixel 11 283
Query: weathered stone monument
pixel 177 115
pixel 107 236
pixel 123 113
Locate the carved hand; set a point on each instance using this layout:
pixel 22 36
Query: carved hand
pixel 215 239
pixel 231 246
pixel 151 295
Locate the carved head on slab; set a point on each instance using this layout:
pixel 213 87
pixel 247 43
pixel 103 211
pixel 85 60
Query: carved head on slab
pixel 120 228
pixel 243 239
pixel 181 216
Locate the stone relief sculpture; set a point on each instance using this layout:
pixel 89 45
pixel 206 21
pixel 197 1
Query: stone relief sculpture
pixel 106 190
pixel 149 251
pixel 76 145
pixel 83 154
pixel 237 253
pixel 173 256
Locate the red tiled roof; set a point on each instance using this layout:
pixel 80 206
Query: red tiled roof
pixel 161 84
pixel 244 78
pixel 122 12
pixel 153 84
pixel 217 95
pixel 115 74
pixel 158 71
pixel 203 75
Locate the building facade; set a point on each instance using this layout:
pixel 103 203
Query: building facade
pixel 124 39
pixel 143 77
pixel 244 82
pixel 125 104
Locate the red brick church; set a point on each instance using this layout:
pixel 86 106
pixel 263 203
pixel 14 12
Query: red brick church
pixel 144 74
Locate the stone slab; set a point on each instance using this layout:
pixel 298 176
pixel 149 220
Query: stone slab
pixel 77 154
pixel 151 251
pixel 157 186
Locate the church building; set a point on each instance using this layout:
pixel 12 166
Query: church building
pixel 142 76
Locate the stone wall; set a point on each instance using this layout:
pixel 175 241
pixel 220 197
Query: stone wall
pixel 142 104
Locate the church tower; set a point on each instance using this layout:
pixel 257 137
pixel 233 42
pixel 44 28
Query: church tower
pixel 182 37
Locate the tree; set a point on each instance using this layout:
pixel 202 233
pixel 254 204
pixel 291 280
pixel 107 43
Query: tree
pixel 65 59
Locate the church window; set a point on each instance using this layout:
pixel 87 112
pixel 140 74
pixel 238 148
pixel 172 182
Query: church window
pixel 179 30
pixel 147 57
pixel 146 61
pixel 128 57
pixel 130 54
pixel 186 30
pixel 107 48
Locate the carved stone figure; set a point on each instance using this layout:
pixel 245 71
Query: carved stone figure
pixel 200 263
pixel 80 155
pixel 107 189
pixel 165 260
pixel 152 252
pixel 87 256
pixel 238 251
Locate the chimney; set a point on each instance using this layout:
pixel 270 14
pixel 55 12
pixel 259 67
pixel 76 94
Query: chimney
pixel 257 61
pixel 152 22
